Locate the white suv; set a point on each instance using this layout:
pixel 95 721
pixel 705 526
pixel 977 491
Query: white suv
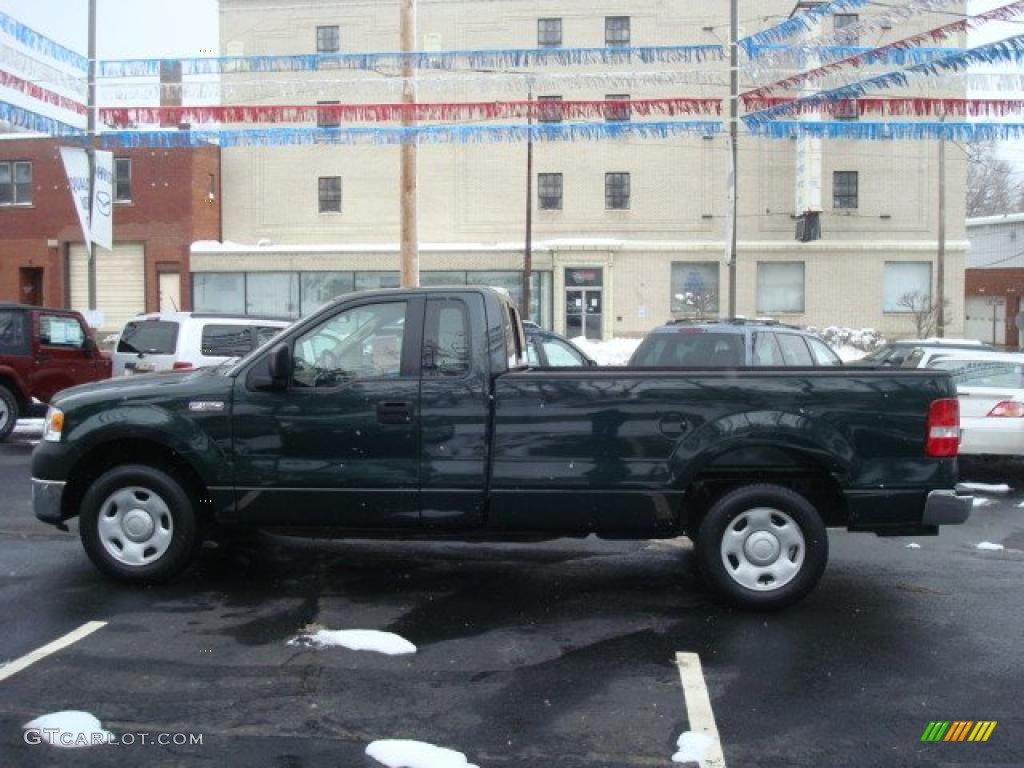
pixel 167 341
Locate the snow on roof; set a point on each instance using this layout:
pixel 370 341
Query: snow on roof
pixel 1005 218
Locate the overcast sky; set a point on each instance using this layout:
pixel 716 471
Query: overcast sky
pixel 148 29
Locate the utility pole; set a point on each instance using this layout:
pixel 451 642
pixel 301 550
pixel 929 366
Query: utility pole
pixel 410 238
pixel 734 97
pixel 528 248
pixel 90 151
pixel 940 267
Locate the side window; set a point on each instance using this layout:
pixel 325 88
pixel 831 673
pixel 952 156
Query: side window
pixel 913 360
pixel 560 354
pixel 14 340
pixel 532 355
pixel 766 350
pixel 226 341
pixel 265 334
pixel 513 340
pixel 446 339
pixel 794 351
pixel 60 331
pixel 822 354
pixel 360 343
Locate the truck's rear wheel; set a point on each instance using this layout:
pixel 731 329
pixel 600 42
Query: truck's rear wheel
pixel 8 412
pixel 762 546
pixel 138 524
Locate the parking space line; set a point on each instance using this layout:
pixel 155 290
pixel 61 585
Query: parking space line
pixel 698 707
pixel 13 667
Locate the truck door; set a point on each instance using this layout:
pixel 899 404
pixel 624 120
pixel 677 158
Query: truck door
pixel 61 359
pixel 340 446
pixel 455 412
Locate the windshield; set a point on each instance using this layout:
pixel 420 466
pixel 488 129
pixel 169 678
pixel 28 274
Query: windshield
pixel 151 337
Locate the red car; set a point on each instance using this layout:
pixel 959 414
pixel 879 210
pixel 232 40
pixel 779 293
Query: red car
pixel 43 351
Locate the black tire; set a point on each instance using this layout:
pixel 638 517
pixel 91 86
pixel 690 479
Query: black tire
pixel 801 563
pixel 174 515
pixel 9 412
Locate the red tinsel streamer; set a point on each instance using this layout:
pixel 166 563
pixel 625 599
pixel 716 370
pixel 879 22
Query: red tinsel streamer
pixel 123 117
pixel 40 94
pixel 901 107
pixel 938 34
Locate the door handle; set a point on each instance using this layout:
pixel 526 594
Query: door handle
pixel 394 412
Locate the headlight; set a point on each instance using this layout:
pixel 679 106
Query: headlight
pixel 54 425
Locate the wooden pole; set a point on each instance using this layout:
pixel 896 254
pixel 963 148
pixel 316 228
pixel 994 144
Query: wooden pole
pixel 528 247
pixel 90 121
pixel 734 98
pixel 410 241
pixel 940 268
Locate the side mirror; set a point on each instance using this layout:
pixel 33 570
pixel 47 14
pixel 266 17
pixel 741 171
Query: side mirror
pixel 280 364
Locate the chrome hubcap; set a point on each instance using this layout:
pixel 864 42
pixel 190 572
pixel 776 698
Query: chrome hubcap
pixel 763 549
pixel 135 526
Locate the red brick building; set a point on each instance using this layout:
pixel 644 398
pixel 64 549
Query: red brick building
pixel 994 281
pixel 165 200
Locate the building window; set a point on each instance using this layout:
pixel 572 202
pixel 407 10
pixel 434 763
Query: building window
pixel 907 286
pixel 620 112
pixel 549 109
pixel 16 183
pixel 616 31
pixel 694 288
pixel 330 194
pixel 324 119
pixel 841 21
pixel 549 191
pixel 847 109
pixel 549 33
pixel 844 189
pixel 780 287
pixel 122 180
pixel 218 292
pixel 616 191
pixel 273 294
pixel 327 40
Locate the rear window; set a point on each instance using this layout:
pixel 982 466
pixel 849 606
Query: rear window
pixel 226 340
pixel 14 337
pixel 983 373
pixel 154 337
pixel 690 349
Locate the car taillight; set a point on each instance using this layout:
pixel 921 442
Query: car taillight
pixel 182 367
pixel 1008 409
pixel 943 428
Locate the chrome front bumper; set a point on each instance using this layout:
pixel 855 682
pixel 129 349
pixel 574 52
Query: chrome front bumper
pixel 46 500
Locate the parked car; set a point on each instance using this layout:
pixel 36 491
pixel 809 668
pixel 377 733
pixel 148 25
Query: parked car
pixel 164 341
pixel 990 387
pixel 923 357
pixel 895 353
pixel 546 349
pixel 413 413
pixel 43 351
pixel 731 344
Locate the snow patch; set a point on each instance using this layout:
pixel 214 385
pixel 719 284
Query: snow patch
pixel 981 502
pixel 404 753
pixel 990 547
pixel 69 729
pixel 985 487
pixel 848 354
pixel 356 640
pixel 913 545
pixel 614 352
pixel 692 746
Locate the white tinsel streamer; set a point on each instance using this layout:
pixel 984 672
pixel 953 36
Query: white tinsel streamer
pixel 33 70
pixel 233 90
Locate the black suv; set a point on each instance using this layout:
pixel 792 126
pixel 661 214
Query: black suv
pixel 731 344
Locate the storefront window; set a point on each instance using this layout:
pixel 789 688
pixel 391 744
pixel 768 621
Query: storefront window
pixel 219 292
pixel 272 293
pixel 370 281
pixel 320 287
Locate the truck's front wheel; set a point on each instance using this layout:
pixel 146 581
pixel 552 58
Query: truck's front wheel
pixel 138 524
pixel 8 412
pixel 762 546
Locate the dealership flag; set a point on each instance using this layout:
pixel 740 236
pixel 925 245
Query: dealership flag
pixel 76 166
pixel 102 197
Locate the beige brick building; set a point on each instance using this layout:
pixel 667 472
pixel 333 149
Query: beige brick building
pixel 629 265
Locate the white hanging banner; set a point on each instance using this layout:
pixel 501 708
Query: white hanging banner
pixel 76 166
pixel 102 201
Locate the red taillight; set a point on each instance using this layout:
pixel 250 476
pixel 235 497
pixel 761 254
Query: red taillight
pixel 1008 409
pixel 182 367
pixel 943 428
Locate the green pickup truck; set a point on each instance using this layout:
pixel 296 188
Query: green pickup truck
pixel 413 414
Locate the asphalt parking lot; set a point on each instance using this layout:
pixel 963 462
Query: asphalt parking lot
pixel 557 654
